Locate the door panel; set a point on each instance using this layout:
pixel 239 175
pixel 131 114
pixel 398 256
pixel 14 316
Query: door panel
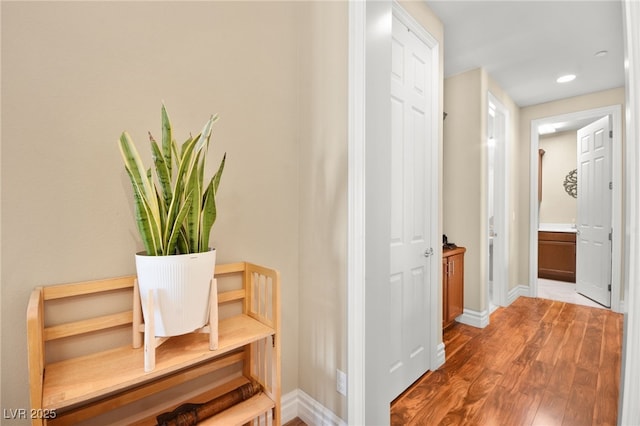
pixel 593 247
pixel 455 284
pixel 409 281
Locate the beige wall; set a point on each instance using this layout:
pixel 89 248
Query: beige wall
pixel 323 203
pixel 559 159
pixel 527 114
pixel 463 180
pixel 465 175
pixel 76 74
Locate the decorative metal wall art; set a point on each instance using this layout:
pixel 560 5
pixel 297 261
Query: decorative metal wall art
pixel 571 183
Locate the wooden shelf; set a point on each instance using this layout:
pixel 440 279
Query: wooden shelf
pixel 81 379
pixel 84 388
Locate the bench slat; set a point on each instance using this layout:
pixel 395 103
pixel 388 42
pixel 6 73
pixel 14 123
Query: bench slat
pixel 89 287
pixel 88 326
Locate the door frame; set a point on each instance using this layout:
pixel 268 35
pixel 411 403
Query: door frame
pixel 356 271
pixel 369 127
pixel 501 202
pixel 628 412
pixel 615 112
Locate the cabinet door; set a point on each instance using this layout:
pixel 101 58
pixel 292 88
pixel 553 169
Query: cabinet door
pixel 445 279
pixel 557 256
pixel 455 287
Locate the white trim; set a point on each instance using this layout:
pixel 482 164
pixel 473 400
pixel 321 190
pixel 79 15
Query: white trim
pixel 629 411
pixel 440 354
pixel 615 111
pixel 406 18
pixel 474 318
pixel 514 293
pixel 356 216
pixel 289 406
pixel 298 403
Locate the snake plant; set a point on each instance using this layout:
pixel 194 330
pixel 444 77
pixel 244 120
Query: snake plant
pixel 175 211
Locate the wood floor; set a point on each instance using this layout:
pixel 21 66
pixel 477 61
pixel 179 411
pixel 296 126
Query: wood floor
pixel 539 362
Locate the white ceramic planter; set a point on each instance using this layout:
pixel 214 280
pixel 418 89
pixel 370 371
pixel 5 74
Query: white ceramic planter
pixel 180 286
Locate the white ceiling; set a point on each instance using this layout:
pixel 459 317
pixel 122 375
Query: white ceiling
pixel 526 45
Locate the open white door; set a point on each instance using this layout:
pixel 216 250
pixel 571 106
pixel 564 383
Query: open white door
pixel 497 204
pixel 411 255
pixel 593 244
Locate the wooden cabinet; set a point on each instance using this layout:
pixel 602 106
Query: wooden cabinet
pixel 452 284
pixel 110 385
pixel 557 256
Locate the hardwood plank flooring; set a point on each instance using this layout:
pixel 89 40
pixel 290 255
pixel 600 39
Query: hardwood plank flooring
pixel 295 422
pixel 538 362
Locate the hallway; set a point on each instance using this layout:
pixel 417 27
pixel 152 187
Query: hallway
pixel 539 362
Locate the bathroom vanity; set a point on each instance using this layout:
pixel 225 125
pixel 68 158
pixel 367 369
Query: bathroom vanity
pixel 557 253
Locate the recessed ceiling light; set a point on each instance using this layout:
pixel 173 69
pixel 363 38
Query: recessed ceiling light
pixel 601 53
pixel 566 78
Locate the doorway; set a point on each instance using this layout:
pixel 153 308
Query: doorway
pixel 497 203
pixel 616 192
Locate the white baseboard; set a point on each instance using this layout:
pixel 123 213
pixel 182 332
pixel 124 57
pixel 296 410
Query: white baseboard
pixel 481 319
pixel 514 293
pixel 440 356
pixel 298 404
pixel 474 318
pixel 289 406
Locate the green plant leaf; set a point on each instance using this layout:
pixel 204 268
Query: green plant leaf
pixel 218 175
pixel 147 211
pixel 163 172
pixel 172 244
pixel 208 215
pixel 167 140
pixel 151 238
pixel 192 223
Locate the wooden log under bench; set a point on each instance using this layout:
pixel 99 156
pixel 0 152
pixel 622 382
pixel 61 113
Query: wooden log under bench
pixel 191 414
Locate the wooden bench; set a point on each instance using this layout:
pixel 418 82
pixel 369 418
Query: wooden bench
pixel 111 385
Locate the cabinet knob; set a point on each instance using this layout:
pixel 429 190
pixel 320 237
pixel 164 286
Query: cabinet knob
pixel 428 252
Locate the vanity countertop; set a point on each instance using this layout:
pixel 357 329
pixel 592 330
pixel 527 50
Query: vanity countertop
pixel 557 227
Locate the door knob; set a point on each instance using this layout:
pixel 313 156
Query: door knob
pixel 428 252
